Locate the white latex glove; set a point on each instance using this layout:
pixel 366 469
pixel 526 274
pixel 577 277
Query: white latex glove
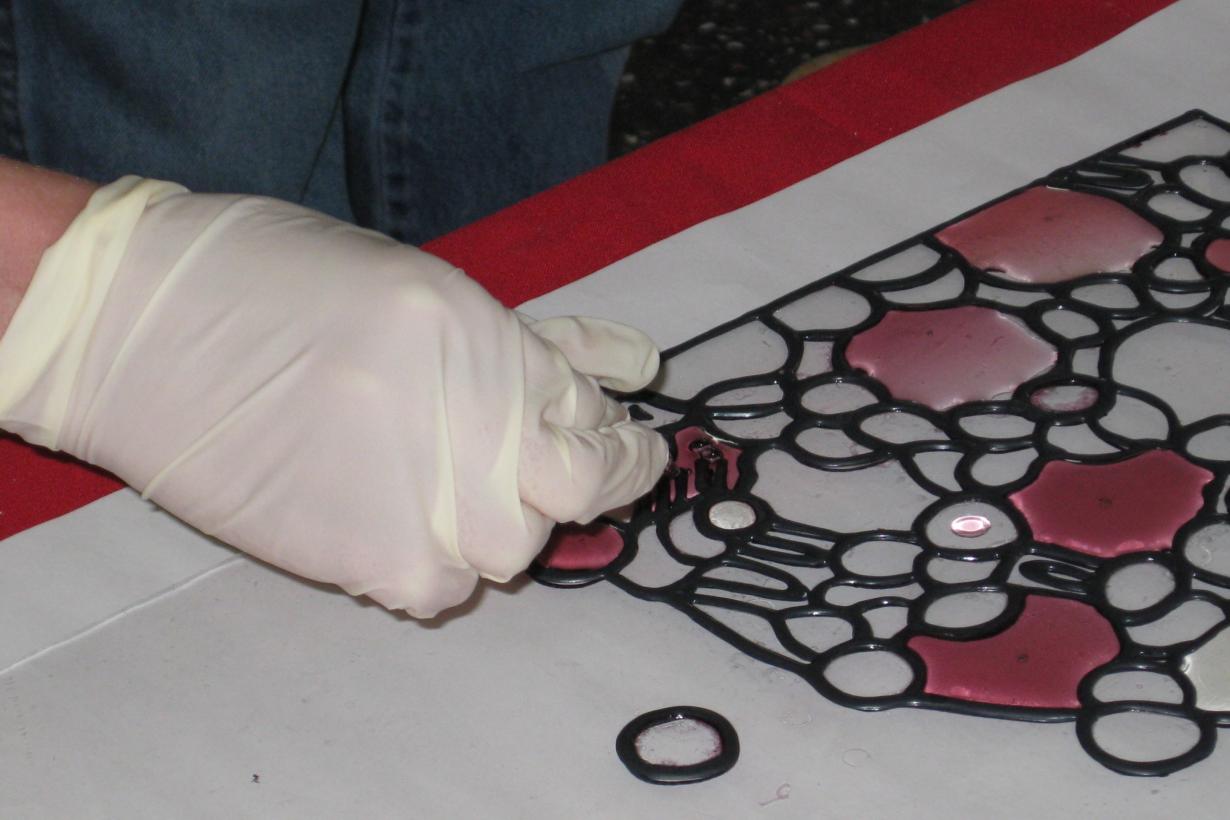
pixel 348 408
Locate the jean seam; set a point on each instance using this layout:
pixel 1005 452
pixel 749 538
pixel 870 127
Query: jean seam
pixel 12 137
pixel 394 120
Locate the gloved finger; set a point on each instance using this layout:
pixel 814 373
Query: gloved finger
pixel 558 394
pixel 574 475
pixel 620 357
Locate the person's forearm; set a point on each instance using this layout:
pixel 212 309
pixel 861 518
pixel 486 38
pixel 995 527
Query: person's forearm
pixel 36 206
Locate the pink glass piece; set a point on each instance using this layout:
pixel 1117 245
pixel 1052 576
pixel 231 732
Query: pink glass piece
pixel 944 357
pixel 1045 235
pixel 1037 662
pixel 970 526
pixel 1064 398
pixel 693 444
pixel 1218 254
pixel 1105 510
pixel 576 547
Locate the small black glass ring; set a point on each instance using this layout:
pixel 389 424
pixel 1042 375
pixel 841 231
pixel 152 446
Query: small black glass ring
pixel 722 762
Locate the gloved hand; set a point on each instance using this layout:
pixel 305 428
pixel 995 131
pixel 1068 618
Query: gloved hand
pixel 348 408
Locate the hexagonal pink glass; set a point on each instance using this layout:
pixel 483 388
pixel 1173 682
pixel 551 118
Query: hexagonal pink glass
pixel 1134 505
pixel 942 358
pixel 1037 662
pixel 1045 235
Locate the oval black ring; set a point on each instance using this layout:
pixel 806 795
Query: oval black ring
pixel 1203 747
pixel 721 763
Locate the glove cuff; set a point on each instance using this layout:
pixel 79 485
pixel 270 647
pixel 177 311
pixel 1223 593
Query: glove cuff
pixel 45 344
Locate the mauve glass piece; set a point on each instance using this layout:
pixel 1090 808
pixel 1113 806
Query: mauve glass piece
pixel 1105 510
pixel 1037 662
pixel 942 358
pixel 970 526
pixel 1044 235
pixel 693 444
pixel 1218 254
pixel 577 547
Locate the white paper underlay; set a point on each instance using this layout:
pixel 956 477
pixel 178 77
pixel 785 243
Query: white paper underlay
pixel 217 669
pixel 77 571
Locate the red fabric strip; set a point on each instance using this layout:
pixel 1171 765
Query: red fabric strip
pixel 776 140
pixel 37 486
pixel 716 166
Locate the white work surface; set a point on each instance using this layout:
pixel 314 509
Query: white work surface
pixel 148 672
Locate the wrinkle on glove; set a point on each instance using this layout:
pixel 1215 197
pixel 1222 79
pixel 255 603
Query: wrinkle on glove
pixel 348 408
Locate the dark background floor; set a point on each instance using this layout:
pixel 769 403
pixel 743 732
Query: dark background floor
pixel 721 52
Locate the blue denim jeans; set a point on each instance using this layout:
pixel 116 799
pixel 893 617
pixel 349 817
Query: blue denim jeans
pixel 410 116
